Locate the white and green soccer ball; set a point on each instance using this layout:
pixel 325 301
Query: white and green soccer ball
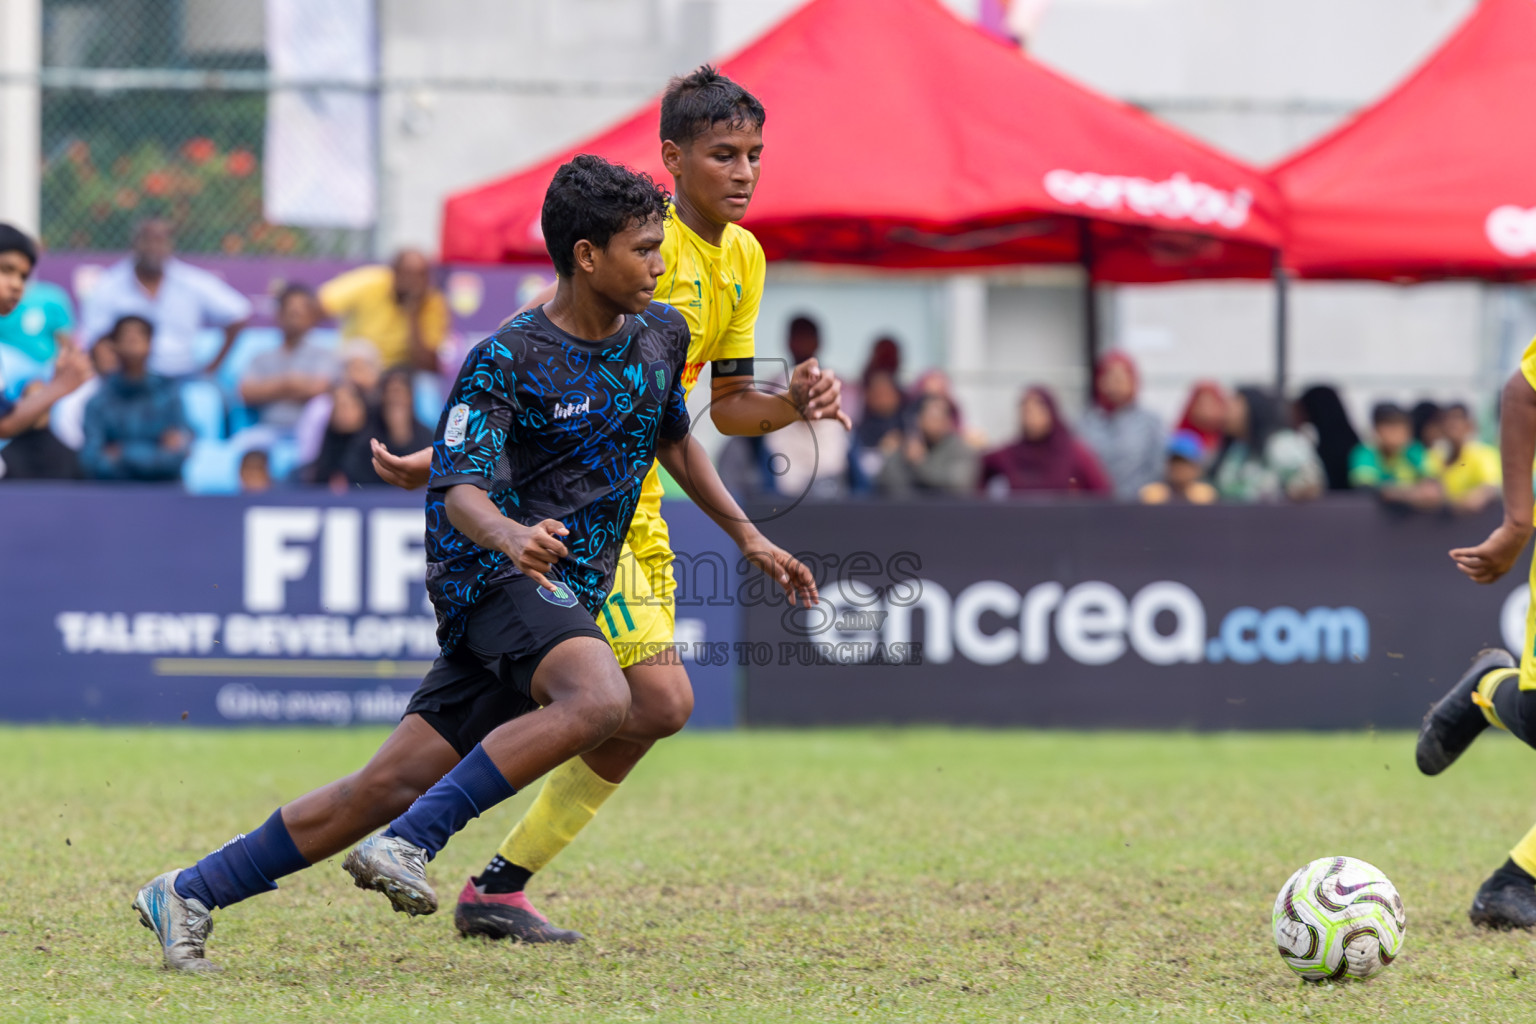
pixel 1338 918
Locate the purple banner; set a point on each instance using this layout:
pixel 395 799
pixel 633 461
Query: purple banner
pixel 140 604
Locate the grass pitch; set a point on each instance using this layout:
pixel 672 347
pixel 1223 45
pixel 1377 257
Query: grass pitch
pixel 806 877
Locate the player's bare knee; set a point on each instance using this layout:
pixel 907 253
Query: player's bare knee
pixel 601 707
pixel 662 713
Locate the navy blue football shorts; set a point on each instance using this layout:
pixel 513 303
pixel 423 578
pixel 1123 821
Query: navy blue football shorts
pixel 487 681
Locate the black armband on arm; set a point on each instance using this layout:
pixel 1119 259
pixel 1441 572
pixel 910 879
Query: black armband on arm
pixel 731 368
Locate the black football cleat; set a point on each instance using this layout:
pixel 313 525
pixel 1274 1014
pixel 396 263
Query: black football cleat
pixel 505 916
pixel 1454 722
pixel 1504 903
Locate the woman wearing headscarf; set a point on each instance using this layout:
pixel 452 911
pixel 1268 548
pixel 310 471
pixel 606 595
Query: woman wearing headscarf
pixel 1205 415
pixel 1261 458
pixel 1128 440
pixel 1045 458
pixel 1323 410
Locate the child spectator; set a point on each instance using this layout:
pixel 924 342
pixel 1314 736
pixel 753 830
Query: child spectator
pixel 348 422
pixel 135 427
pixel 1428 424
pixel 1322 411
pixel 278 382
pixel 1261 459
pixel 35 454
pixel 255 472
pixel 1128 440
pixel 1045 458
pixel 879 420
pixel 1205 415
pixel 1473 475
pixel 1181 483
pixel 1396 459
pixel 394 423
pixel 934 459
pixel 360 367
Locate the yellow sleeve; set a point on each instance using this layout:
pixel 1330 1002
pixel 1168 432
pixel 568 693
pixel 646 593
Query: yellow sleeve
pixel 1528 364
pixel 435 321
pixel 341 295
pixel 739 340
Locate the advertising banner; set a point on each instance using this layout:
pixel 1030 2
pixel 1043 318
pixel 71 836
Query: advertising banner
pixel 133 604
pixel 1329 616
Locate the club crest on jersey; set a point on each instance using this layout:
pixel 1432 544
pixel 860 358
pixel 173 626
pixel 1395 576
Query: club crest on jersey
pixel 659 377
pixel 454 429
pixel 561 596
pixel 565 410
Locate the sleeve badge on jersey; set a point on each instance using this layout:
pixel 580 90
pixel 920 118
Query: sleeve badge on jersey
pixel 458 419
pixel 659 377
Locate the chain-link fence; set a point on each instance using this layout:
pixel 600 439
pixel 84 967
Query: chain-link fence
pixel 159 108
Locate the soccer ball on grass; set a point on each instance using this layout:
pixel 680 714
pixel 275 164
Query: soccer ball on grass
pixel 1338 918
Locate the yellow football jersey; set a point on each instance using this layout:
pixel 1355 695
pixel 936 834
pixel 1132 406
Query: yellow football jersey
pixel 719 290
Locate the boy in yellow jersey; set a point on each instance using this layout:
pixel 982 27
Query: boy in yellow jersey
pixel 1494 691
pixel 712 141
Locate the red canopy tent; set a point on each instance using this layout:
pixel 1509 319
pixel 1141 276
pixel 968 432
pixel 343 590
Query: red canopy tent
pixel 1436 179
pixel 900 136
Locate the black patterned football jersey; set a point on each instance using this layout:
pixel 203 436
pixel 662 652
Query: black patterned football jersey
pixel 552 427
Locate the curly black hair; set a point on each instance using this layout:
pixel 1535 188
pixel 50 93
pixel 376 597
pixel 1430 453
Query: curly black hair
pixel 696 102
pixel 590 198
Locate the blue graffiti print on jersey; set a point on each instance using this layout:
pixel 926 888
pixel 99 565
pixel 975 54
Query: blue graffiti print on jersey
pixel 552 427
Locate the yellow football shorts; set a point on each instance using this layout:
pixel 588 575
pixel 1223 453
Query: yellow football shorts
pixel 637 620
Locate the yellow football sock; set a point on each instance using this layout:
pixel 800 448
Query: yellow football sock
pixel 570 798
pixel 1483 695
pixel 1524 853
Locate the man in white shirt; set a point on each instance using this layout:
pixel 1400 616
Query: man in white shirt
pixel 178 298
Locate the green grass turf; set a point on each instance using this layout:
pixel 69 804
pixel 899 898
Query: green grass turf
pixel 818 876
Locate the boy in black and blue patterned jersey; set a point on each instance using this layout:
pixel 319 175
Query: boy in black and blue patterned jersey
pixel 537 468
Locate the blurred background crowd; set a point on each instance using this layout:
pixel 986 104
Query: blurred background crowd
pixel 139 396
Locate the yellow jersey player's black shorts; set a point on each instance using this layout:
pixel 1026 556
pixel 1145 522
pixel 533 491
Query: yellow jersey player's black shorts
pixel 487 680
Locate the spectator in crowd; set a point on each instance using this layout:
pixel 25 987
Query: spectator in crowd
pixel 1205 415
pixel 884 358
pixel 1428 426
pixel 397 308
pixel 1128 440
pixel 1045 458
pixel 394 423
pixel 1261 459
pixel 278 382
pixel 360 366
pixel 347 423
pixel 135 427
pixel 879 421
pixel 934 381
pixel 255 472
pixel 808 457
pixel 18 257
pixel 178 298
pixel 1395 459
pixel 1322 412
pixel 1181 483
pixel 1472 474
pixel 32 334
pixel 68 417
pixel 933 459
pixel 35 454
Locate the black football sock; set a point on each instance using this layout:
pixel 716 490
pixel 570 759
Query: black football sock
pixel 1516 708
pixel 1510 874
pixel 502 876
